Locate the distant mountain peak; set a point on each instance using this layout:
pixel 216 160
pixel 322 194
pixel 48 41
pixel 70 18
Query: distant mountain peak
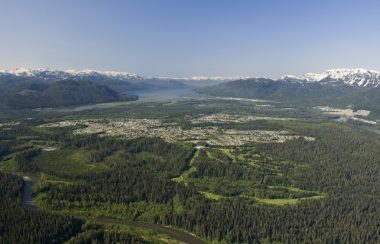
pixel 353 77
pixel 112 74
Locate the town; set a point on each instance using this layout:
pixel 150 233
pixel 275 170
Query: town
pixel 172 132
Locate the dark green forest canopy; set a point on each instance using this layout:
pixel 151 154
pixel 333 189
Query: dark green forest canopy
pixel 218 193
pixel 20 225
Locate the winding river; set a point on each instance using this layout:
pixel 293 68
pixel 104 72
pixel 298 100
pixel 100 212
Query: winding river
pixel 181 236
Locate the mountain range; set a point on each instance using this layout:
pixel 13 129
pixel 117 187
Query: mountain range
pixel 352 77
pixel 35 88
pixel 28 88
pixel 120 81
pixel 359 88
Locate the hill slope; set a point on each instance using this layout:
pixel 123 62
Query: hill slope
pixel 280 90
pixel 60 93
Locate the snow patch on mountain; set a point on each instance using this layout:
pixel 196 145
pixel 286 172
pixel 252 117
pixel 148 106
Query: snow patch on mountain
pixel 206 78
pixel 54 74
pixel 353 77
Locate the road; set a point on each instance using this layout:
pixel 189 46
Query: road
pixel 181 236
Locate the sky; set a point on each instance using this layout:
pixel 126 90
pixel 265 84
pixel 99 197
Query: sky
pixel 178 38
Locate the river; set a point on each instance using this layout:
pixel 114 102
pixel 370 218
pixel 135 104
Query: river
pixel 27 200
pixel 147 95
pixel 181 236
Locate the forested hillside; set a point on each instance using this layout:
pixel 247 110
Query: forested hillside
pixel 298 93
pixel 61 93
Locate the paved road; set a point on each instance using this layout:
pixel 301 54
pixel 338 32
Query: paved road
pixel 178 235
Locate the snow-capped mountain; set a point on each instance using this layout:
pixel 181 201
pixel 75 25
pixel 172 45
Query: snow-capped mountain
pixel 353 77
pixel 53 74
pixel 206 78
pixel 119 81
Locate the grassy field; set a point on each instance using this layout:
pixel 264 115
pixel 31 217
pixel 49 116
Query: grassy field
pixel 287 201
pixel 210 195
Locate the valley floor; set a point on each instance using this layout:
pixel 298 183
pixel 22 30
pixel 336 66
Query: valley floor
pixel 268 172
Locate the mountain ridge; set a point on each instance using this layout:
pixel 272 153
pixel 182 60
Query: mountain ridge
pixel 354 77
pixel 66 74
pixel 67 92
pixel 357 88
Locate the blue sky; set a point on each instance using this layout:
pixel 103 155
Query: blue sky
pixel 191 38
